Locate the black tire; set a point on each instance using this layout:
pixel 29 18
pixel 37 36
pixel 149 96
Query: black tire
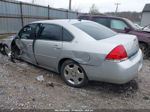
pixel 145 49
pixel 15 52
pixel 1 47
pixel 82 82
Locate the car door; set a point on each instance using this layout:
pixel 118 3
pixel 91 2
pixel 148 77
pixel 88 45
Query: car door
pixel 25 42
pixel 48 45
pixel 118 25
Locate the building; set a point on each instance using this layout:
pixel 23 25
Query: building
pixel 145 20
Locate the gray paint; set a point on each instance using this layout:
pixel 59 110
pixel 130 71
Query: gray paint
pixel 146 8
pixel 145 18
pixel 146 15
pixel 86 51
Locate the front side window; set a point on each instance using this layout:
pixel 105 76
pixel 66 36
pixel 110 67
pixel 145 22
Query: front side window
pixel 50 32
pixel 28 32
pixel 118 24
pixel 132 24
pixel 103 21
pixel 95 30
pixel 67 36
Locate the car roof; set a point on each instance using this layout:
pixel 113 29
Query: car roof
pixel 103 16
pixel 62 21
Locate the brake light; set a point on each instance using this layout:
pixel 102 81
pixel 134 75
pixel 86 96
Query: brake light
pixel 118 53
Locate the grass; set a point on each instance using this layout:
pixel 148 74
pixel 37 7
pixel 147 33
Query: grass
pixel 4 36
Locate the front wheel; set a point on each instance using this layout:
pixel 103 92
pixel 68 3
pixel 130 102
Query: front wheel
pixel 15 52
pixel 73 74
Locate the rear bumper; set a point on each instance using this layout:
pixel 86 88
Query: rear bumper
pixel 116 72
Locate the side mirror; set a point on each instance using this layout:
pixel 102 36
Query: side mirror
pixel 127 29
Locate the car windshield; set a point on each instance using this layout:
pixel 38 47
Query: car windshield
pixel 95 30
pixel 138 26
pixel 133 25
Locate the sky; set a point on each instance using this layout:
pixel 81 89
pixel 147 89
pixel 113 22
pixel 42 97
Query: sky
pixel 102 5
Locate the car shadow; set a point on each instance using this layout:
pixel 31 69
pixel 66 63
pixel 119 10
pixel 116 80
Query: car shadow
pixel 103 87
pixel 129 88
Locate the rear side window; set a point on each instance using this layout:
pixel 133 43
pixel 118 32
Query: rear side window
pixel 67 36
pixel 84 17
pixel 118 24
pixel 95 30
pixel 51 32
pixel 103 21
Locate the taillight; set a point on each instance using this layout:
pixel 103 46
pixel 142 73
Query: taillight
pixel 118 53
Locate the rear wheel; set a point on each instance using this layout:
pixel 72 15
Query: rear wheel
pixel 145 50
pixel 73 74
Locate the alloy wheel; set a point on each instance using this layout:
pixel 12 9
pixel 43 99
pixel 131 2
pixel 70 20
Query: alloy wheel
pixel 74 74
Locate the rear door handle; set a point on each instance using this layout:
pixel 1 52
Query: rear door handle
pixel 57 46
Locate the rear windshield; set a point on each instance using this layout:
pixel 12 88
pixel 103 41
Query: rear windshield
pixel 95 30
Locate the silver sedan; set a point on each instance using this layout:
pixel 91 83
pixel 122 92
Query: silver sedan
pixel 79 50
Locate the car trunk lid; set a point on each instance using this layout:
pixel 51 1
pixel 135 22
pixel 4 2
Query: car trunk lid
pixel 129 42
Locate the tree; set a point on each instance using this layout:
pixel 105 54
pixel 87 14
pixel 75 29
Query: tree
pixel 94 9
pixel 76 9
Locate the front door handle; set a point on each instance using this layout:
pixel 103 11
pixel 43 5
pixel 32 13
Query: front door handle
pixel 56 45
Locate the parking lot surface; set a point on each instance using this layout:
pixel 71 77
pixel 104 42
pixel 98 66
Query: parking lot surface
pixel 19 89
